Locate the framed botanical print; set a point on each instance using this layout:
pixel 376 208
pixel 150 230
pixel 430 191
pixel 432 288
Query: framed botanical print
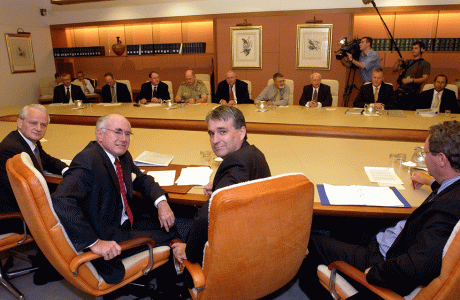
pixel 20 52
pixel 314 46
pixel 246 44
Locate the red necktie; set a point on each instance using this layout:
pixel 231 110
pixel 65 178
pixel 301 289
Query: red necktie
pixel 121 182
pixel 231 94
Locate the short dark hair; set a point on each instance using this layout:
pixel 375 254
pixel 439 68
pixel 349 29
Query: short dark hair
pixel 368 39
pixel 276 75
pixel 445 138
pixel 440 75
pixel 80 72
pixel 225 112
pixel 56 75
pixel 150 74
pixel 420 44
pixel 380 70
pixel 108 74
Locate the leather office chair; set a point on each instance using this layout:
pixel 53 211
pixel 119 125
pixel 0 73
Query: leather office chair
pixel 441 288
pixel 257 240
pixel 206 78
pixel 170 89
pixel 249 88
pixel 34 200
pixel 128 84
pixel 334 84
pixel 290 83
pixel 449 86
pixel 8 241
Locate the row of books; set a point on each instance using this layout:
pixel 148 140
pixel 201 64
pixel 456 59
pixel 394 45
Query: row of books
pixel 403 44
pixel 79 51
pixel 174 48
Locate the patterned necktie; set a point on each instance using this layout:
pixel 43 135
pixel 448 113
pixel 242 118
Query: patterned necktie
pixel 230 96
pixel 436 101
pixel 376 95
pixel 67 94
pixel 154 92
pixel 315 95
pixel 278 96
pixel 114 95
pixel 121 182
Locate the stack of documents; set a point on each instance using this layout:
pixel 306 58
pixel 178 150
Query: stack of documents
pixel 383 176
pixel 163 178
pixel 194 176
pixel 148 158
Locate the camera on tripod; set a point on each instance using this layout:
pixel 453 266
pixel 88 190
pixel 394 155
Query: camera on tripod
pixel 351 47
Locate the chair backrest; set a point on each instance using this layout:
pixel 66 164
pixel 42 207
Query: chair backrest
pixel 80 84
pixel 170 89
pixel 290 83
pixel 47 85
pixel 258 236
pixel 334 84
pixel 449 86
pixel 32 194
pixel 206 78
pixel 128 84
pixel 249 88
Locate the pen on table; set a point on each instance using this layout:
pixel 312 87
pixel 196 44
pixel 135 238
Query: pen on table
pixel 413 183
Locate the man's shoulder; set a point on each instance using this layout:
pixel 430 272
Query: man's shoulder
pixel 324 86
pixel 427 92
pixel 13 139
pixel 241 82
pixel 146 84
pixel 183 84
pixel 122 84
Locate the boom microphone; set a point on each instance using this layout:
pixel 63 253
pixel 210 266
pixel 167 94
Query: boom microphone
pixel 367 1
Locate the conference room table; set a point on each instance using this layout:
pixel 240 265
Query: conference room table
pixel 338 161
pixel 293 120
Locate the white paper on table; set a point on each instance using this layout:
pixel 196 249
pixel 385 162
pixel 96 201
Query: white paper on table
pixel 383 175
pixel 194 176
pixel 361 195
pixel 163 178
pixel 110 104
pixel 60 104
pixel 148 158
pixel 153 104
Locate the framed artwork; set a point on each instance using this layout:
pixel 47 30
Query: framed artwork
pixel 20 52
pixel 246 44
pixel 314 46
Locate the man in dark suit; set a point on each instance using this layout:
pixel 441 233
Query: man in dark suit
pixel 408 254
pixel 241 162
pixel 439 98
pixel 377 92
pixel 32 122
pixel 232 91
pixel 153 91
pixel 96 204
pixel 316 94
pixel 113 91
pixel 67 92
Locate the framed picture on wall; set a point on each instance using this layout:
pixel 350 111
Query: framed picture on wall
pixel 246 46
pixel 314 46
pixel 20 52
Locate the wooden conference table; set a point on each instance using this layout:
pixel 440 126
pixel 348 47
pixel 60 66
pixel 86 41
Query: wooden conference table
pixel 321 159
pixel 294 120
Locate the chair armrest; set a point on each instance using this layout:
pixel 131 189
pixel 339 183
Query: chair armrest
pixel 89 256
pixel 360 277
pixel 197 274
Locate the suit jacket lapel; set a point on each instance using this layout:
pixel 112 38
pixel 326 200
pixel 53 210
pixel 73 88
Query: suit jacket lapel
pixel 27 149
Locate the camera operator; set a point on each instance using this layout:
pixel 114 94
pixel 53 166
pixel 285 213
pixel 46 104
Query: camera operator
pixel 367 62
pixel 416 72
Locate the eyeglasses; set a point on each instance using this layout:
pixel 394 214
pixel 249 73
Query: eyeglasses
pixel 120 133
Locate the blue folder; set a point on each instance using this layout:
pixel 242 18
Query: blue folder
pixel 325 201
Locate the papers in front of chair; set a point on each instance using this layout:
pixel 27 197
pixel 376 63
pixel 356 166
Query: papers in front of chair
pixel 383 175
pixel 355 111
pixel 109 104
pixel 361 195
pixel 152 104
pixel 148 158
pixel 61 104
pixel 427 112
pixel 163 178
pixel 194 176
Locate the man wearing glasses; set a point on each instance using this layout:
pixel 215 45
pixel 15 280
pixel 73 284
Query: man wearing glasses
pixel 95 200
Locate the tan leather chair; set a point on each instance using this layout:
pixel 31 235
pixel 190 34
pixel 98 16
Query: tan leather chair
pixel 170 89
pixel 290 83
pixel 449 86
pixel 249 88
pixel 34 200
pixel 8 241
pixel 257 240
pixel 334 84
pixel 206 78
pixel 444 287
pixel 128 84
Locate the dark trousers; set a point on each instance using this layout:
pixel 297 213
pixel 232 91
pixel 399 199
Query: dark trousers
pixel 325 250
